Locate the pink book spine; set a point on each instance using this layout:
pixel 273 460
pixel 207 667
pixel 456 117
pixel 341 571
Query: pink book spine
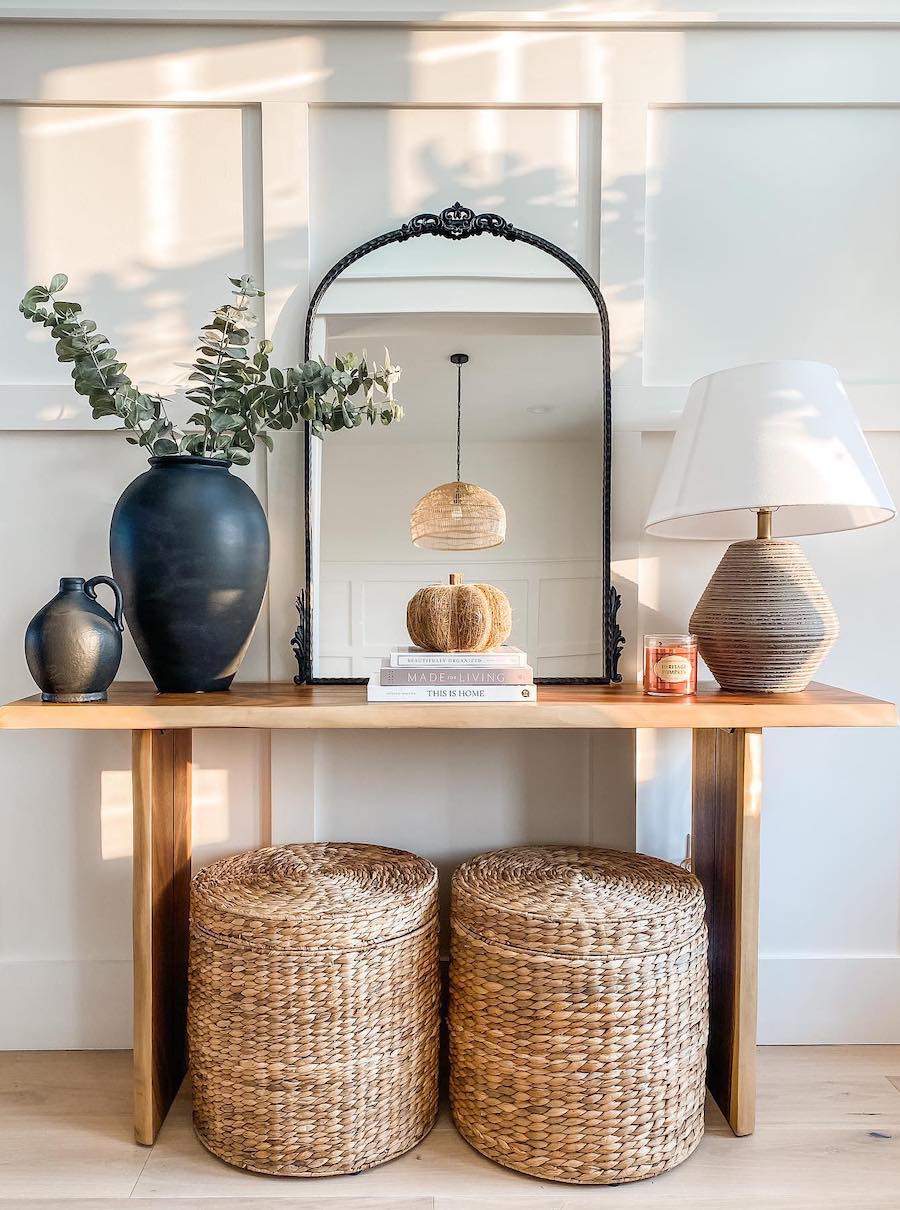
pixel 512 675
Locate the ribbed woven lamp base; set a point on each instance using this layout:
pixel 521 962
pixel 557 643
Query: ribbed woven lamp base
pixel 764 623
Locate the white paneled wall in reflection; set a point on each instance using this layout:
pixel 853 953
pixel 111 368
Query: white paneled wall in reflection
pixel 556 609
pixel 548 566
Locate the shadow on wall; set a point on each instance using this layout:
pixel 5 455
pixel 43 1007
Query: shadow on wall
pixel 517 191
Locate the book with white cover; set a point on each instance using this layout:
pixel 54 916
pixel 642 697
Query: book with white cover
pixel 406 657
pixel 450 693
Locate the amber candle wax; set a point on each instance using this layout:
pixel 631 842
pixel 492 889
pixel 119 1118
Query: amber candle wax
pixel 670 665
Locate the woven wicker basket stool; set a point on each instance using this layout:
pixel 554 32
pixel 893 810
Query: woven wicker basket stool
pixel 313 1012
pixel 578 1012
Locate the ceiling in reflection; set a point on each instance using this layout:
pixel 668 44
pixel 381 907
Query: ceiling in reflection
pixel 529 378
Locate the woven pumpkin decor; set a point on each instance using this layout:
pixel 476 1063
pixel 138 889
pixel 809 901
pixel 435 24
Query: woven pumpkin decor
pixel 459 617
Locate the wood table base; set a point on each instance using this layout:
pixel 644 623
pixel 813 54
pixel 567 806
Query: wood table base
pixel 727 794
pixel 725 827
pixel 161 775
pixel 727 774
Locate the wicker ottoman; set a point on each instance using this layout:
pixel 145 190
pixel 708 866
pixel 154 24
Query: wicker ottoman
pixel 313 1012
pixel 578 1012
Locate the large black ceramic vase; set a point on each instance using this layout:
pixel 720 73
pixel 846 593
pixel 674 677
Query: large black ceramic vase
pixel 189 545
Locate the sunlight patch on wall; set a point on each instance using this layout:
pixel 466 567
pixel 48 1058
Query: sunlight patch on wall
pixel 630 570
pixel 115 814
pixel 283 65
pixel 153 246
pixel 211 818
pixel 159 185
pixel 650 597
pixel 209 802
pixel 509 67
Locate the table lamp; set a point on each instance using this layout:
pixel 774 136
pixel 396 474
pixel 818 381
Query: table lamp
pixel 778 439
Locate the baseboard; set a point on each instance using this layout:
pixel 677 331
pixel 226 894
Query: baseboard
pixel 65 1005
pixel 829 999
pixel 803 1000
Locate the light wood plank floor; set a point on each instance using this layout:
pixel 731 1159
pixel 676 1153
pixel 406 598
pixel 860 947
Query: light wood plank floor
pixel 828 1137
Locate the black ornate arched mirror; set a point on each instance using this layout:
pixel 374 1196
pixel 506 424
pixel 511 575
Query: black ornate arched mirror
pixel 526 414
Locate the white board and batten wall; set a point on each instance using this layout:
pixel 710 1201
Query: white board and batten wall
pixel 736 189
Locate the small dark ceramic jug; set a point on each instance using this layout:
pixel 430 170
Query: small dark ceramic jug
pixel 73 646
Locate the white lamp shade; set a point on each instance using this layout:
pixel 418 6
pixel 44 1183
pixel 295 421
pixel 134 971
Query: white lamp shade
pixel 779 435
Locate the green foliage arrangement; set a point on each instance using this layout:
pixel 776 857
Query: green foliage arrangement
pixel 240 397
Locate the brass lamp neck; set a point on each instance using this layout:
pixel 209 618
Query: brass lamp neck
pixel 764 523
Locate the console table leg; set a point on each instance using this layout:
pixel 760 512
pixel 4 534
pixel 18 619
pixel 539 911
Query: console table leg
pixel 161 775
pixel 727 791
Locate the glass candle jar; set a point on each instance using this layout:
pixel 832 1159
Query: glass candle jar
pixel 670 665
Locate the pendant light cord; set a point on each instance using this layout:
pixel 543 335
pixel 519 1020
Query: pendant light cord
pixel 458 415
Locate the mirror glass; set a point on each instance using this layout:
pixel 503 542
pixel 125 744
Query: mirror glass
pixel 531 433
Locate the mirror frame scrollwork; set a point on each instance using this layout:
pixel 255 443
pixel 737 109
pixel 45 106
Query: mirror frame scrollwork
pixel 458 222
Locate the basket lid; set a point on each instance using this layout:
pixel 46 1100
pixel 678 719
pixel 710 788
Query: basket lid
pixel 315 896
pixel 561 900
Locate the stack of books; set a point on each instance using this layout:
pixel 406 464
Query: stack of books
pixel 412 675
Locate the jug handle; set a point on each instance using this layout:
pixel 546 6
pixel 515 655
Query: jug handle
pixel 91 590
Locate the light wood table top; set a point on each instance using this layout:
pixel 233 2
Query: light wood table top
pixel 137 706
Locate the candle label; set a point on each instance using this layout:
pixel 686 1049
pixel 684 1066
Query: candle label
pixel 673 668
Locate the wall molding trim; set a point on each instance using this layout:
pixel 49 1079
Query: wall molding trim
pixel 829 1000
pixel 422 14
pixel 66 1005
pixel 843 999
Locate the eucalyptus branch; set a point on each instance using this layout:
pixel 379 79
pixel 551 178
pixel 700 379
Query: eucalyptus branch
pixel 229 327
pixel 240 399
pixel 99 368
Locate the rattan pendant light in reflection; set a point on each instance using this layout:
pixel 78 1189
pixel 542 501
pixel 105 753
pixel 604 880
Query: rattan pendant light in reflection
pixel 458 516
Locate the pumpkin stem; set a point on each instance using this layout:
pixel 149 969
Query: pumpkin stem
pixel 456 577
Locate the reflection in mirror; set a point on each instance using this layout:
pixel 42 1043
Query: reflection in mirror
pixel 458 515
pixel 532 435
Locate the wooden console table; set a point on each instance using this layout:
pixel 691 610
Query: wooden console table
pixel 727 776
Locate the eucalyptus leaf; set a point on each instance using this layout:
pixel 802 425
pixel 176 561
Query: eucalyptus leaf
pixel 223 420
pixel 37 294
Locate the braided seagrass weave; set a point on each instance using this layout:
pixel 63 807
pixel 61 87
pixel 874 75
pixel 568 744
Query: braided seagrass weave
pixel 578 1012
pixel 313 1007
